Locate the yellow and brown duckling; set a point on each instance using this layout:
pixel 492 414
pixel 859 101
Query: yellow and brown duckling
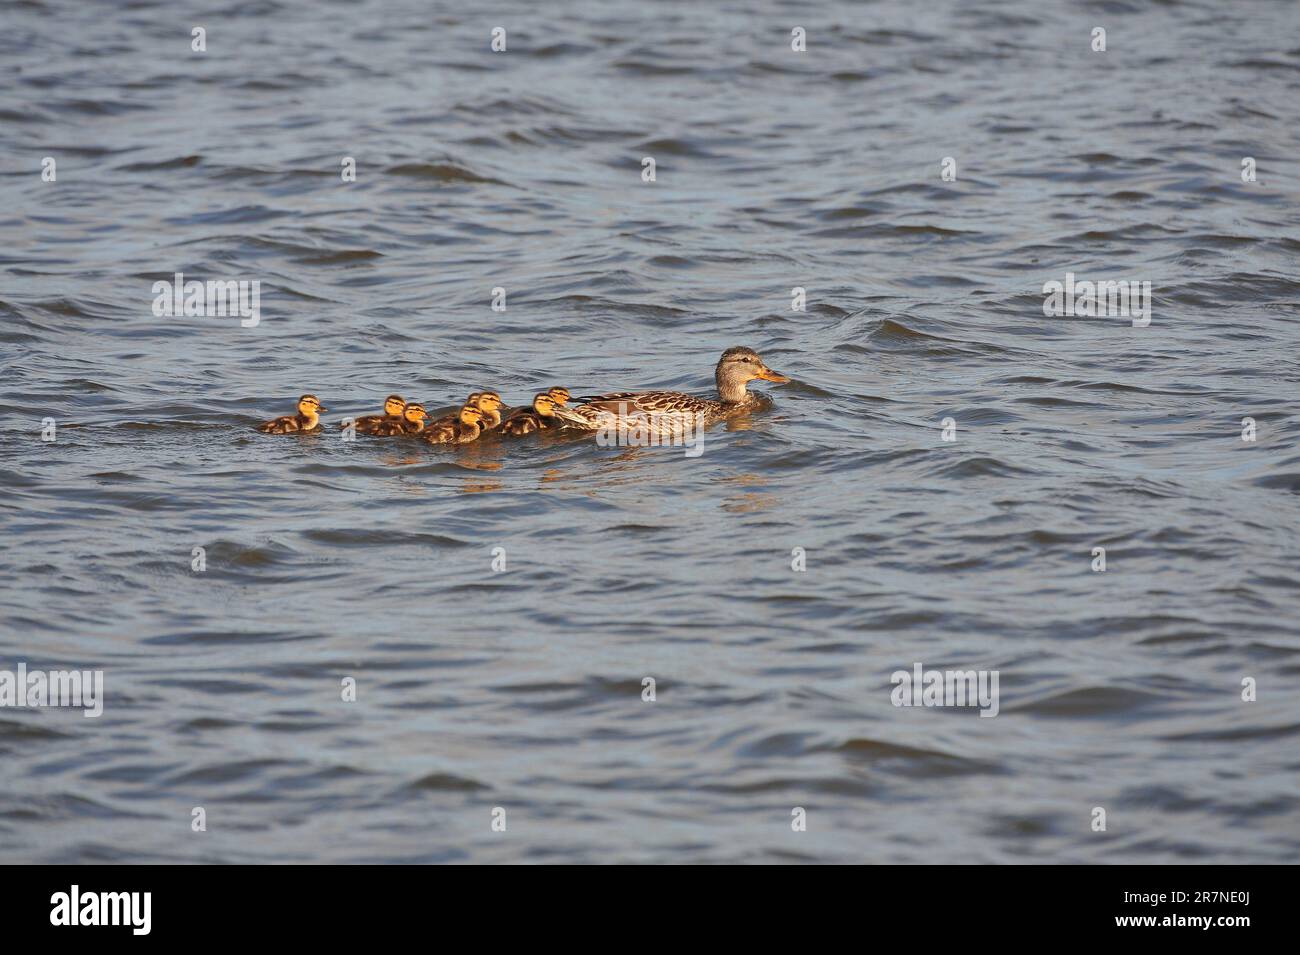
pixel 487 402
pixel 306 420
pixel 467 427
pixel 490 404
pixel 394 406
pixel 527 420
pixel 411 422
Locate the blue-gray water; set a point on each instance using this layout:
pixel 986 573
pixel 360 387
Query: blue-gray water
pixel 522 689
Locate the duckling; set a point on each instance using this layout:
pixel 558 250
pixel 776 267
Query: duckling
pixel 306 420
pixel 394 405
pixel 462 431
pixel 527 420
pixel 411 422
pixel 488 402
pixel 560 396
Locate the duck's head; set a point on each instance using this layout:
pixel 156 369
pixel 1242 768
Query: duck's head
pixel 560 396
pixel 737 367
pixel 487 401
pixel 544 404
pixel 309 406
pixel 394 405
pixel 414 412
pixel 470 415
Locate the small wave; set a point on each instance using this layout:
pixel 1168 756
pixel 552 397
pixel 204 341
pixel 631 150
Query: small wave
pixel 976 466
pixel 440 172
pixel 1100 701
pixel 354 537
pixel 444 782
pixel 180 162
pixel 911 760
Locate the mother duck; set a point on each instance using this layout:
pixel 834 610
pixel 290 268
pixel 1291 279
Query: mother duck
pixel 664 413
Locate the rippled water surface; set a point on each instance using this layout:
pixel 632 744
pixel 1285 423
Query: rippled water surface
pixel 522 689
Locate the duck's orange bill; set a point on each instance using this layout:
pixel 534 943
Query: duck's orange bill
pixel 767 374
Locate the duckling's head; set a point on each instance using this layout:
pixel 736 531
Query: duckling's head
pixel 739 366
pixel 470 415
pixel 544 404
pixel 414 412
pixel 394 405
pixel 488 401
pixel 309 406
pixel 560 396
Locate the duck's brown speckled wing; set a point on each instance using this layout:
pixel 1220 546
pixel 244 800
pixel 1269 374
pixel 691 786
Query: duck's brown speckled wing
pixel 651 402
pixel 583 399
